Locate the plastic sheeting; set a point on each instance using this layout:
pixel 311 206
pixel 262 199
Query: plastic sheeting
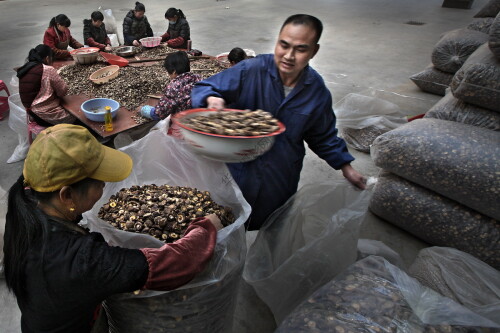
pixel 18 123
pixel 305 243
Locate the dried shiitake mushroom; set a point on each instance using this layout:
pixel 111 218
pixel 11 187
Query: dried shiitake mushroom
pixel 163 212
pixel 234 123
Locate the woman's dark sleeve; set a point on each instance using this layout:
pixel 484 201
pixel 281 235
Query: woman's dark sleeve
pixel 127 35
pixel 149 31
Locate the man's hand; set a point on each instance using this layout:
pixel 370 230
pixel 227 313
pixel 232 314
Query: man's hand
pixel 136 43
pixel 216 103
pixel 353 176
pixel 215 221
pixel 108 48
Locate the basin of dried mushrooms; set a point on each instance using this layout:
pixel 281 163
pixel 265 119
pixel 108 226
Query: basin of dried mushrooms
pixel 163 212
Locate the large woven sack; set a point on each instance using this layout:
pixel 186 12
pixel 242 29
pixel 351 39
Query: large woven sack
pixel 432 80
pixel 494 42
pixel 491 9
pixel 482 24
pixel 478 81
pixel 455 47
pixel 452 109
pixel 458 161
pixel 461 277
pixel 435 219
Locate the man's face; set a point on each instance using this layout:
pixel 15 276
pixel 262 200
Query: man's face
pixel 295 47
pixel 97 23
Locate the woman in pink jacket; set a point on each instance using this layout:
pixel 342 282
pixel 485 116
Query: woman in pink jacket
pixel 41 88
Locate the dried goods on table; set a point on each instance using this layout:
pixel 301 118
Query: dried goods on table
pixel 455 47
pixel 494 42
pixel 458 161
pixel 437 220
pixel 375 296
pixel 130 88
pixel 234 123
pixel 478 81
pixel 432 80
pixel 163 212
pixel 460 277
pixel 453 109
pixel 482 24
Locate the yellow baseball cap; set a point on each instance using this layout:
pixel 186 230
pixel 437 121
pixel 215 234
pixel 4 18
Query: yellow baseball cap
pixel 64 154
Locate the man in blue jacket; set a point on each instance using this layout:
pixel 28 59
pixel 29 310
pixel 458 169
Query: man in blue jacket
pixel 285 85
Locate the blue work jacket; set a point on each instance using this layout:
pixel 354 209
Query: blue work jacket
pixel 270 180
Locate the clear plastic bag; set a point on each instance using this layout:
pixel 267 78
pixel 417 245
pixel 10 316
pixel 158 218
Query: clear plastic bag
pixel 208 300
pixel 360 119
pixel 455 47
pixel 432 80
pixel 371 247
pixel 478 81
pixel 305 243
pixel 374 296
pixel 461 277
pixel 452 109
pixel 18 123
pixel 456 160
pixel 436 219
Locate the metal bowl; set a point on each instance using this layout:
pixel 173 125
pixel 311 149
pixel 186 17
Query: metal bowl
pixel 126 51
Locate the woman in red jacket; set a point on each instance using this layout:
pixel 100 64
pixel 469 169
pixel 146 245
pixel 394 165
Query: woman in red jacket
pixel 58 37
pixel 59 272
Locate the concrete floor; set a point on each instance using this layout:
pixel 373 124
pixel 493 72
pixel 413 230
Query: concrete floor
pixel 366 48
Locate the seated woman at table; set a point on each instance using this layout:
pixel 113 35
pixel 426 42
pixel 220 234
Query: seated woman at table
pixel 136 25
pixel 94 32
pixel 177 94
pixel 41 88
pixel 178 32
pixel 58 37
pixel 236 55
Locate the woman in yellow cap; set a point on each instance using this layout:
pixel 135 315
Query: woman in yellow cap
pixel 59 272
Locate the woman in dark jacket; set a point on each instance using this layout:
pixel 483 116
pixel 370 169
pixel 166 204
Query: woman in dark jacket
pixel 59 272
pixel 94 32
pixel 136 25
pixel 58 37
pixel 178 32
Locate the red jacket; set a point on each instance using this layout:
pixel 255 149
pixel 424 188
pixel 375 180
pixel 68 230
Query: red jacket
pixel 51 38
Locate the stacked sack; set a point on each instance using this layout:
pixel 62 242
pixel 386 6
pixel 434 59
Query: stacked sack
pixel 441 183
pixel 440 178
pixel 454 48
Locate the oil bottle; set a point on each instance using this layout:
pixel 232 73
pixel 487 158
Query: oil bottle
pixel 108 119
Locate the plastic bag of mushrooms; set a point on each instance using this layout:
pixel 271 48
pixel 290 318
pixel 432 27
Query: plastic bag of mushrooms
pixel 206 303
pixel 371 296
pixel 361 119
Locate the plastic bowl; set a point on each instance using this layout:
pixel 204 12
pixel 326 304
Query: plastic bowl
pixel 105 74
pixel 223 148
pixel 150 41
pixel 85 55
pixel 94 108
